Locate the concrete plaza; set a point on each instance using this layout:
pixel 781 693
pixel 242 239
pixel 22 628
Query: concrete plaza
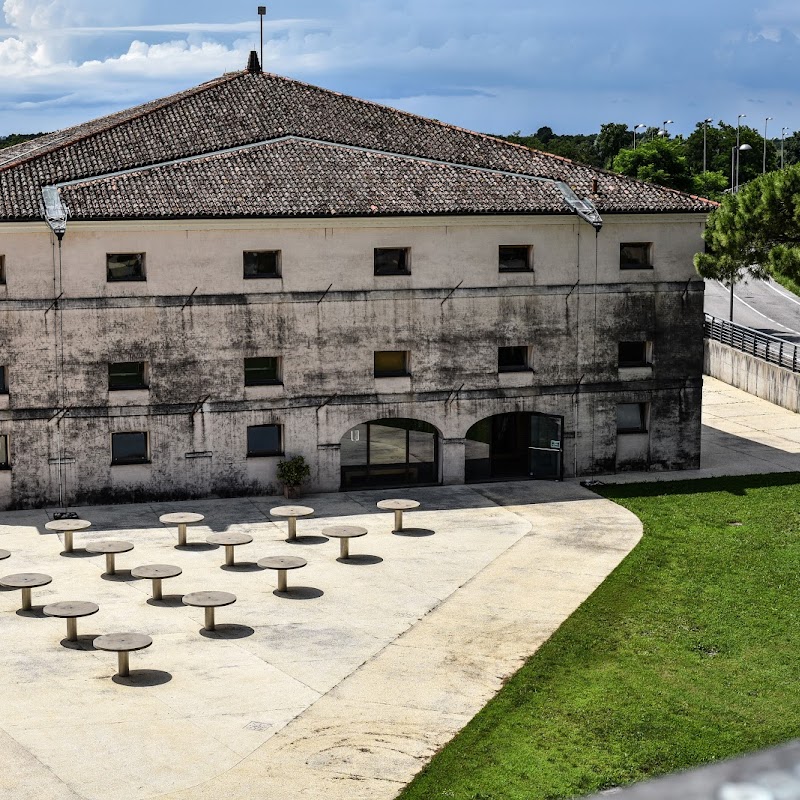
pixel 343 688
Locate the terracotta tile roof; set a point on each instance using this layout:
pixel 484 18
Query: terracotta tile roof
pixel 294 178
pixel 300 178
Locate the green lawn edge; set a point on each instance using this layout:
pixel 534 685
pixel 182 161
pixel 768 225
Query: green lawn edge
pixel 786 282
pixel 689 652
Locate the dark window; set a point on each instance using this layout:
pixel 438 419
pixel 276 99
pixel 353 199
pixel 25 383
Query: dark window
pixel 4 463
pixel 262 263
pixel 125 267
pixel 129 448
pixel 2 270
pixel 512 359
pixel 391 363
pixel 264 440
pixel 3 384
pixel 515 258
pixel 633 354
pixel 127 375
pixel 261 371
pixel 632 418
pixel 635 255
pixel 392 261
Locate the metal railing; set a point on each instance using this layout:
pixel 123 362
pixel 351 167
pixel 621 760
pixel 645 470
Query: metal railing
pixel 761 345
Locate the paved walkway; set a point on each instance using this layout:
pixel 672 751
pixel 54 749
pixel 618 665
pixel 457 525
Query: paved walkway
pixel 344 692
pixel 341 693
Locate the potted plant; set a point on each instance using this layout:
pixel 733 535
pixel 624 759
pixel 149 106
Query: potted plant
pixel 291 473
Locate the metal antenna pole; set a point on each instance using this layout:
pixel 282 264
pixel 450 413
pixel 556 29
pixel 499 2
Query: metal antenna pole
pixel 262 10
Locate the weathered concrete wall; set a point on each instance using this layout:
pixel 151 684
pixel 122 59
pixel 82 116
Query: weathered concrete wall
pixel 572 310
pixel 767 381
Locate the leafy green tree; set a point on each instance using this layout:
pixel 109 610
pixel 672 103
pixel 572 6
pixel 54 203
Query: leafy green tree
pixel 755 232
pixel 656 161
pixel 612 138
pixel 709 184
pixel 791 149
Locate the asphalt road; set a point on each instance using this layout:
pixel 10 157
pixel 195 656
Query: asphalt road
pixel 763 305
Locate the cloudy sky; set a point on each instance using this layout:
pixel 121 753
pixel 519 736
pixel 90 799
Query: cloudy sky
pixel 496 66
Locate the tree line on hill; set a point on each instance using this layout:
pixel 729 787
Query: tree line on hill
pixel 17 138
pixel 677 161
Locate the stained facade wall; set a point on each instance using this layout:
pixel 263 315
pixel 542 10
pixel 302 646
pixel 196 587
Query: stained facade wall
pixel 195 319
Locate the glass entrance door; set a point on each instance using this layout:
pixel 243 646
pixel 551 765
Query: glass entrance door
pixel 546 447
pixel 390 452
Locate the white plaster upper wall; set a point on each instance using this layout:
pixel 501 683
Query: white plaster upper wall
pixel 315 254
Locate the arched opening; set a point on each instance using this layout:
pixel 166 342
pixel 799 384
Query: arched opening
pixel 517 445
pixel 390 452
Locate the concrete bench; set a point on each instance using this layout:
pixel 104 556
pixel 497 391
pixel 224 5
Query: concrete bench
pixel 122 644
pixel 282 564
pixel 181 519
pixel 156 573
pixel 291 513
pixel 71 610
pixel 344 533
pixel 68 528
pixel 209 601
pixel 398 506
pixel 110 548
pixel 25 581
pixel 229 541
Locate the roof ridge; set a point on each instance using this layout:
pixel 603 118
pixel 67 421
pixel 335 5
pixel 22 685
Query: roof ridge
pixel 487 136
pixel 293 138
pixel 153 106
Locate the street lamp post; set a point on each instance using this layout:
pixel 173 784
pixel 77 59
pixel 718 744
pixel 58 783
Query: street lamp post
pixel 735 152
pixel 783 133
pixel 636 128
pixel 705 123
pixel 735 184
pixel 664 128
pixel 764 167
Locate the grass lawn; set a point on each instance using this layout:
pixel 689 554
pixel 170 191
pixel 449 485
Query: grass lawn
pixel 689 652
pixel 787 283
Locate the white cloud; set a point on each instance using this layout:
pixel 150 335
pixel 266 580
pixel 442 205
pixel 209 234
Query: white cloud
pixel 511 65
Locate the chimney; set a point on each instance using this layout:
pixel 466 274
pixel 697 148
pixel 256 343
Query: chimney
pixel 594 185
pixel 253 67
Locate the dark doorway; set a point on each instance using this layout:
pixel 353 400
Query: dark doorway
pixel 390 452
pixel 515 445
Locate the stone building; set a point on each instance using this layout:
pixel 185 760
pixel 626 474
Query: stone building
pixel 256 267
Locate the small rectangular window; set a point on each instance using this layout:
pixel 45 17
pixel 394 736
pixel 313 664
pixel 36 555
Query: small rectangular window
pixel 129 448
pixel 512 359
pixel 634 354
pixel 125 267
pixel 515 258
pixel 3 381
pixel 392 261
pixel 2 270
pixel 635 255
pixel 262 371
pixel 4 462
pixel 264 440
pixel 127 375
pixel 262 263
pixel 632 418
pixel 391 363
